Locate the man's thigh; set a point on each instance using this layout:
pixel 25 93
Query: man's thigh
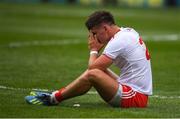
pixel 104 84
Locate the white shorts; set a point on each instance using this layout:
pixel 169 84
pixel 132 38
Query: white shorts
pixel 116 100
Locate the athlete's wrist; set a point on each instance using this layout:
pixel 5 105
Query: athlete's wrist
pixel 93 52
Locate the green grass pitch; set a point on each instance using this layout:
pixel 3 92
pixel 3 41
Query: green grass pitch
pixel 44 46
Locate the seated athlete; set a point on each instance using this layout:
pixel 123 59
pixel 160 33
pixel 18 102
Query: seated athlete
pixel 123 47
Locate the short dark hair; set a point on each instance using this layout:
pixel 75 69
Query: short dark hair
pixel 99 17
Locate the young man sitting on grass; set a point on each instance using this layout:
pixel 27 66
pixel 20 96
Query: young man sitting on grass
pixel 123 47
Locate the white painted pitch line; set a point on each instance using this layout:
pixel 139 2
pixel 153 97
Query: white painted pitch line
pixel 165 97
pixel 19 89
pixel 44 43
pixel 162 37
pixel 90 92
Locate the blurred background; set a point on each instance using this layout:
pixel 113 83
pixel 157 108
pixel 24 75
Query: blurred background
pixel 122 3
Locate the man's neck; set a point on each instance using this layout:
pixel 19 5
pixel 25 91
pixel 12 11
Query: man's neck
pixel 114 30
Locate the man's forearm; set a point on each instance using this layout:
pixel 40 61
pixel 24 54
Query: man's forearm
pixel 92 58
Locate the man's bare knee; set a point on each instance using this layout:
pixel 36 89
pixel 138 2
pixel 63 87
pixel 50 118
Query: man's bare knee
pixel 84 76
pixel 94 73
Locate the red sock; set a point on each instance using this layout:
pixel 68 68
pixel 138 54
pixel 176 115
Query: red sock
pixel 58 95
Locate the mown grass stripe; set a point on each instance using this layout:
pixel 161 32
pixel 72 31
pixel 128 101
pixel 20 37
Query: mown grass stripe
pixel 89 93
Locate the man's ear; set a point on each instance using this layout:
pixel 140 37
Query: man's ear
pixel 106 27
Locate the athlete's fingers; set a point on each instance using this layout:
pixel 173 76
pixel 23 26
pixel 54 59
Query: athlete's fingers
pixel 95 38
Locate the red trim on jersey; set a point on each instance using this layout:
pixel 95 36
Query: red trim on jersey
pixel 131 98
pixel 107 56
pixel 140 40
pixel 147 54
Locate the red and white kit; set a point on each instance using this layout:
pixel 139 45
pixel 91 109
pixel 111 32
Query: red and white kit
pixel 131 56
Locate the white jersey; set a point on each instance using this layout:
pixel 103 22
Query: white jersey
pixel 129 54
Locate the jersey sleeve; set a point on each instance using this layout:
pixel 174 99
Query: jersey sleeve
pixel 114 48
